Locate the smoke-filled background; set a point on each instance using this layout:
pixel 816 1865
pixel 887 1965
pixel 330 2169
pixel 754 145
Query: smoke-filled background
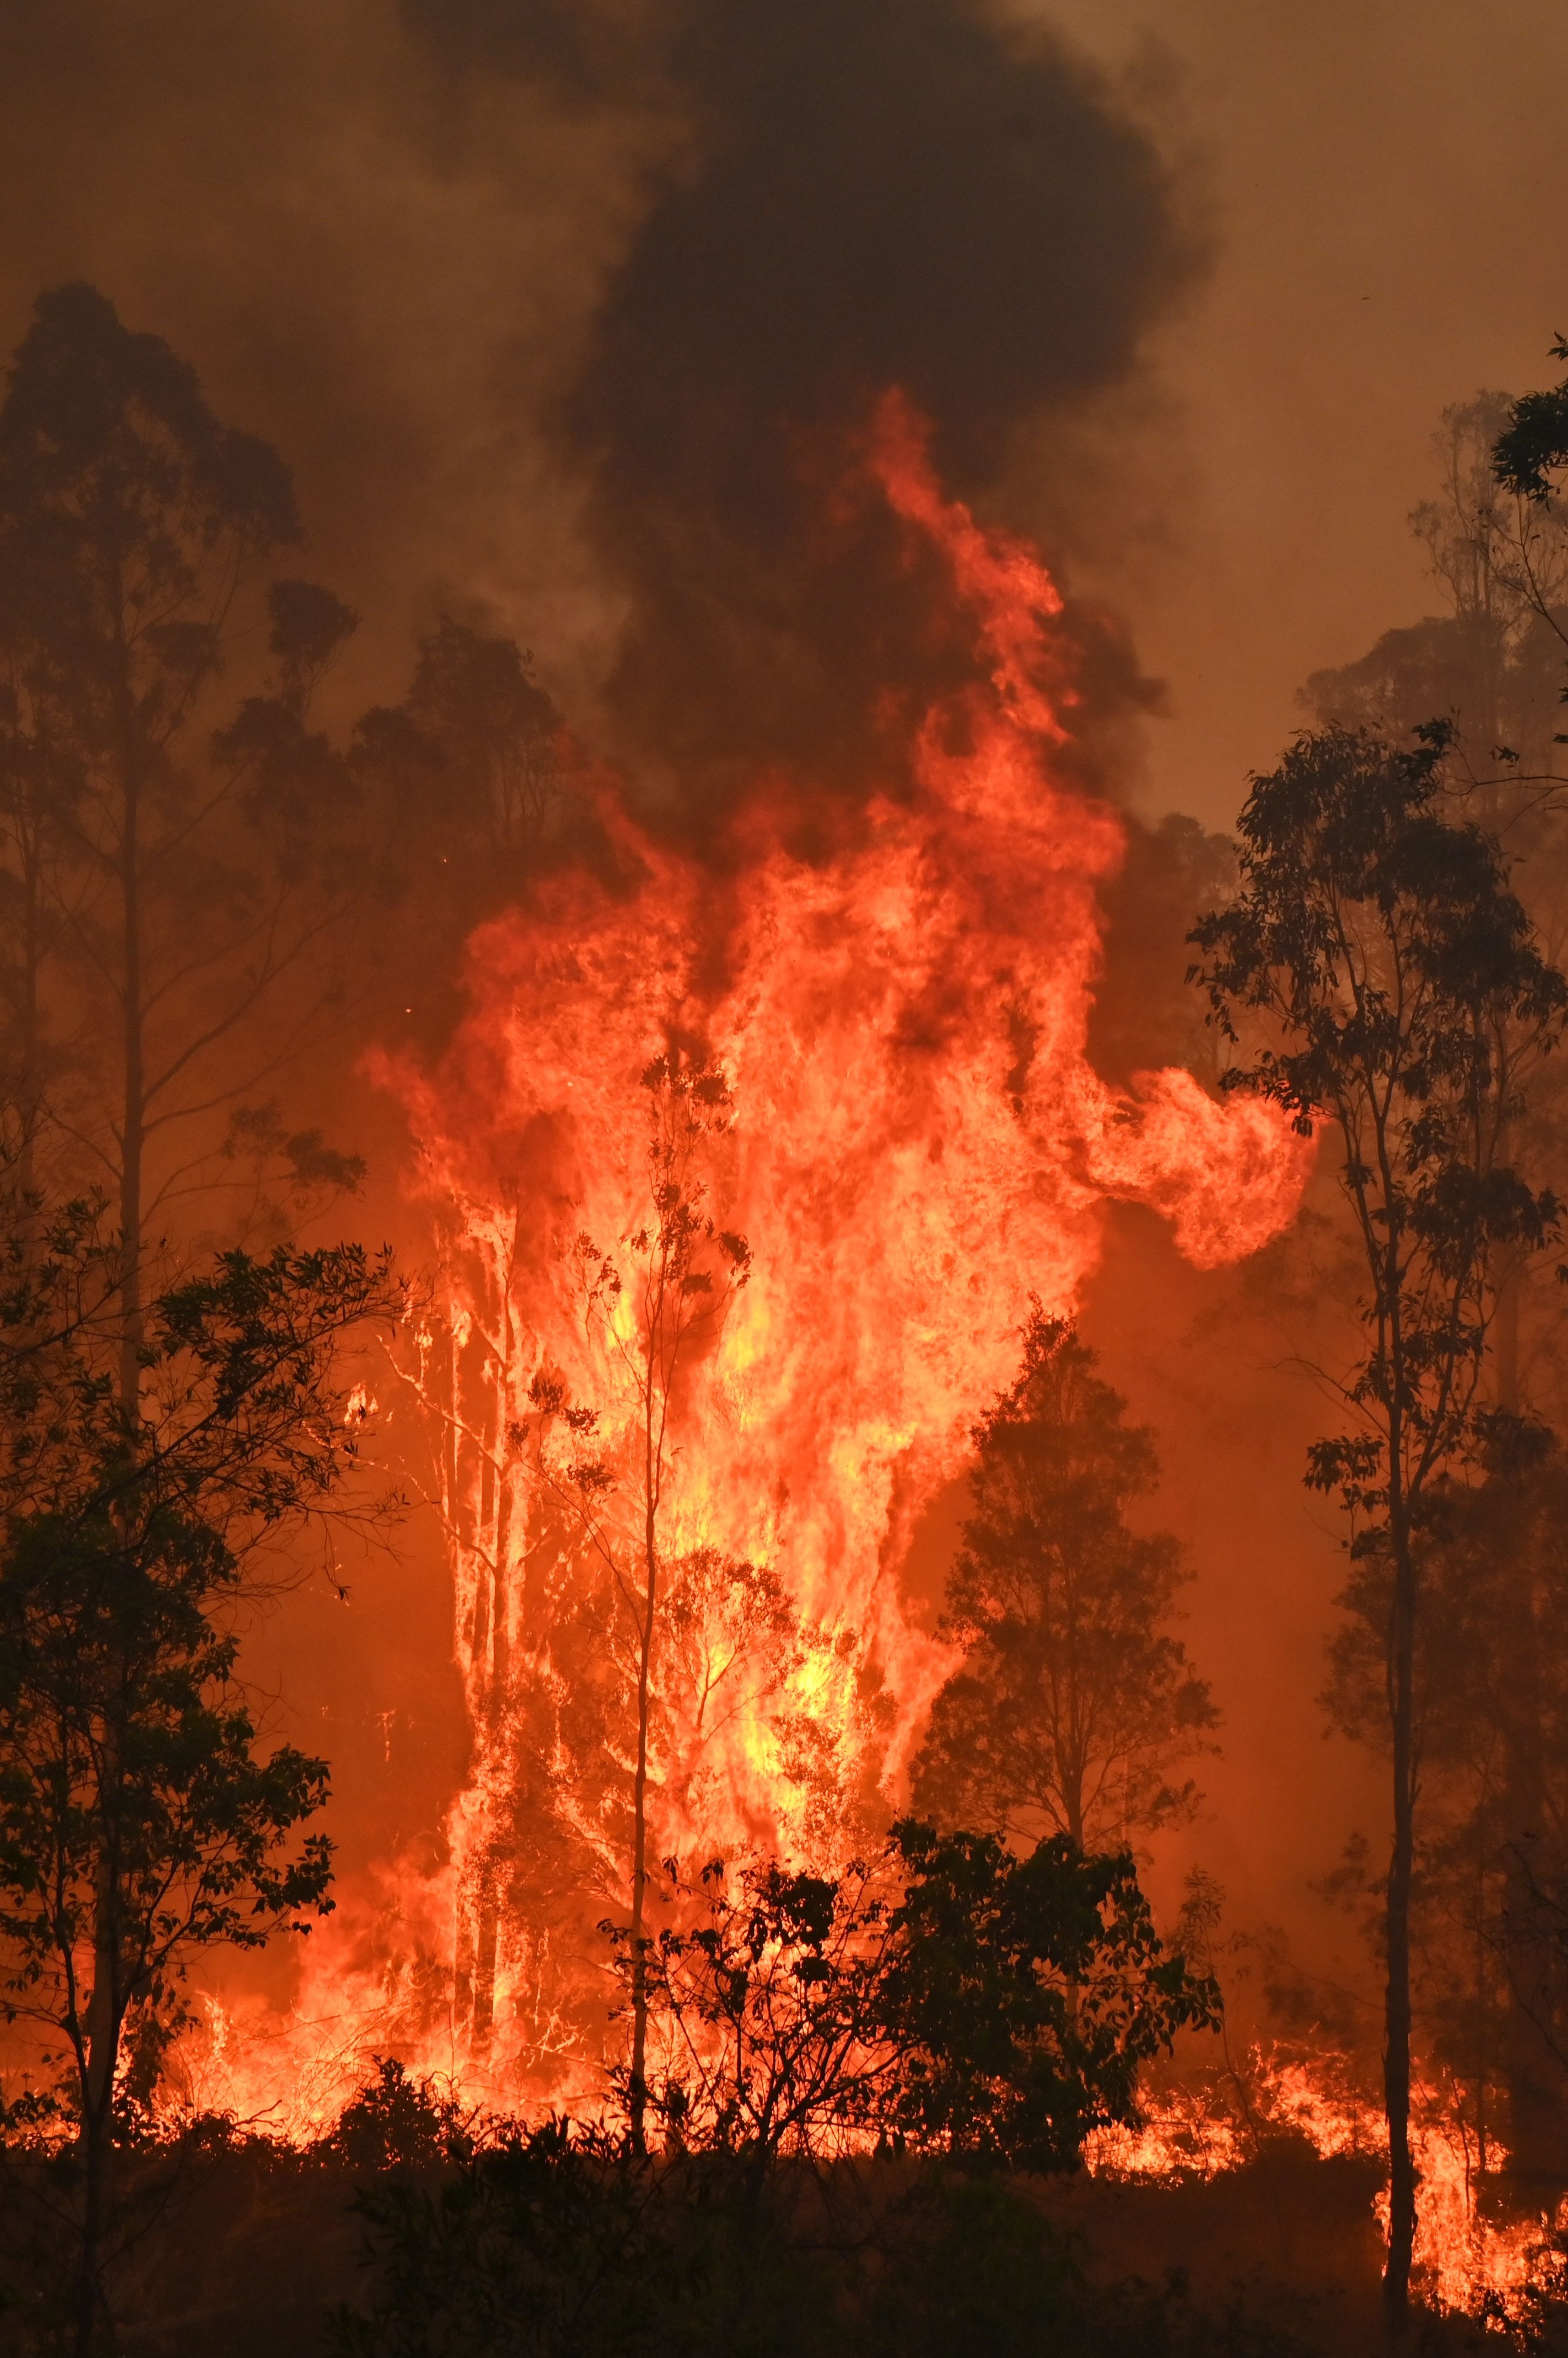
pixel 479 270
pixel 568 318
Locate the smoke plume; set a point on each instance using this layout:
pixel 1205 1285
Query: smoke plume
pixel 573 312
pixel 898 193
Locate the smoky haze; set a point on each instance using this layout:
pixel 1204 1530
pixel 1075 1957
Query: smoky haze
pixel 572 315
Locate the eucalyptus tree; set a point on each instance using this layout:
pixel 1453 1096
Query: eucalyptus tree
pixel 1394 978
pixel 655 1303
pixel 139 1819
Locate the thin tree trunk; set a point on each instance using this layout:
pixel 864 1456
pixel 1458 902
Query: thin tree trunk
pixel 88 2293
pixel 32 1038
pixel 133 1117
pixel 1534 2128
pixel 637 2091
pixel 1396 2029
pixel 106 2005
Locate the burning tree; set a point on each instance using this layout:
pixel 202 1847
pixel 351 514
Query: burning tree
pixel 1380 938
pixel 614 1648
pixel 1074 1703
pixel 681 1270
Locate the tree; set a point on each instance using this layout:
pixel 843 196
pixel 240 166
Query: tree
pixel 469 788
pixel 1074 1703
pixel 948 1997
pixel 137 1820
pixel 1377 935
pixel 681 1271
pixel 1485 663
pixel 1529 449
pixel 171 898
pixel 1488 666
pixel 1491 1739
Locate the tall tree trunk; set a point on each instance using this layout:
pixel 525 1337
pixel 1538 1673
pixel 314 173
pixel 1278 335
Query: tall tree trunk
pixel 1401 1864
pixel 89 2294
pixel 637 2091
pixel 126 789
pixel 32 1029
pixel 133 1112
pixel 1534 2131
pixel 105 2005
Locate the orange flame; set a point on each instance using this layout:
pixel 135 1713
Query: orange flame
pixel 1465 2262
pixel 919 1145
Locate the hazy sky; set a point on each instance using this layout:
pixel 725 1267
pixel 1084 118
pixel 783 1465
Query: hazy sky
pixel 388 265
pixel 1390 180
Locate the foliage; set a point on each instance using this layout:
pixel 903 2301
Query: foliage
pixel 1534 444
pixel 137 1820
pixel 1381 939
pixel 949 1999
pixel 555 2243
pixel 1488 663
pixel 395 2122
pixel 1074 1701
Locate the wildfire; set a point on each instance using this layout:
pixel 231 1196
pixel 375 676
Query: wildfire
pixel 918 1144
pixel 915 1143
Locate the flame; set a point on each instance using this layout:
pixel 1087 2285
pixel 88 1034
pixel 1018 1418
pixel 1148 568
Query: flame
pixel 1465 2262
pixel 919 1144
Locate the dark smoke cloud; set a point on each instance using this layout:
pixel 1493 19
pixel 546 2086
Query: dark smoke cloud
pixel 886 193
pixel 562 310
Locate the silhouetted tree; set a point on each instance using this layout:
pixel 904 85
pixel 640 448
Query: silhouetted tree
pixel 137 1819
pixel 1485 664
pixel 1490 1745
pixel 949 1997
pixel 469 781
pixel 172 886
pixel 1377 935
pixel 1531 450
pixel 1074 1702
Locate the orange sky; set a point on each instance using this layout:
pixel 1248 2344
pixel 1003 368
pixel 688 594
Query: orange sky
pixel 1391 184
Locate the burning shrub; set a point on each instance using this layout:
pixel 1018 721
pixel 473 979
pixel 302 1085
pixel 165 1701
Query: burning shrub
pixel 398 2122
pixel 950 1998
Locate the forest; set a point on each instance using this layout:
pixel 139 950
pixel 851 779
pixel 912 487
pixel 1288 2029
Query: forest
pixel 783 1502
